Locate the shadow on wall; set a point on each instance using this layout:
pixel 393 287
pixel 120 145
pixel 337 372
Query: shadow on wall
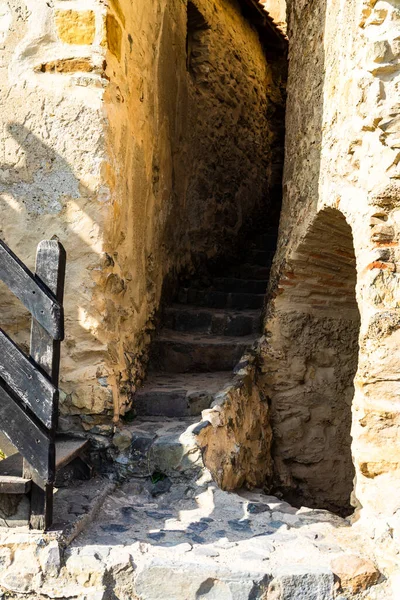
pixel 312 325
pixel 42 186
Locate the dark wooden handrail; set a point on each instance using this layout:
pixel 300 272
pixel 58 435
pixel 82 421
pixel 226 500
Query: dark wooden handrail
pixel 29 384
pixel 36 297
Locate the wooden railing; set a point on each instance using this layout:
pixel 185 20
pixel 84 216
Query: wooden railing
pixel 29 384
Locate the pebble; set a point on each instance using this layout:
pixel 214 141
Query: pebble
pixel 197 539
pixel 114 528
pixel 157 536
pixel 198 527
pixel 161 487
pixel 279 525
pixel 240 525
pixel 158 515
pixel 257 508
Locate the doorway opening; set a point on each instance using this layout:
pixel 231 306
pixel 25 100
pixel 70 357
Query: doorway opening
pixel 315 333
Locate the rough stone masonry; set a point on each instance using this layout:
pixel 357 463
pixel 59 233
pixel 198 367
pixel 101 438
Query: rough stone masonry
pixel 334 308
pixel 143 157
pixel 144 146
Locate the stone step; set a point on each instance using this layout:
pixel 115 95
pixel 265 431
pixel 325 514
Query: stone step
pixel 248 271
pixel 179 394
pixel 216 321
pixel 215 299
pixel 158 445
pixel 240 285
pixel 179 352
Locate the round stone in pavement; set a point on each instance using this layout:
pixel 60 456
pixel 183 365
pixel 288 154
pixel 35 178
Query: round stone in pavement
pixel 156 536
pixel 240 525
pixel 114 528
pixel 129 514
pixel 198 527
pixel 197 539
pixel 154 514
pixel 257 508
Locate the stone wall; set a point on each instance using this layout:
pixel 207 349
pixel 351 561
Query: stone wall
pixel 342 154
pixel 142 162
pixel 310 357
pixel 235 433
pixel 51 175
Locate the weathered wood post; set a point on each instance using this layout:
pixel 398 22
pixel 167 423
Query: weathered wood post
pixel 45 351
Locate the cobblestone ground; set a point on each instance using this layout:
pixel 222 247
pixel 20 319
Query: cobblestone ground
pixel 154 540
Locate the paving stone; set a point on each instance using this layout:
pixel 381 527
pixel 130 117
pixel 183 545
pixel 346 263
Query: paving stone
pixel 240 525
pixel 257 508
pixel 207 551
pixel 129 514
pixel 278 525
pixel 250 555
pixel 157 536
pixel 198 527
pixel 78 509
pixel 197 539
pixel 24 574
pixel 356 574
pixel 159 581
pixel 114 528
pixel 122 440
pixel 176 547
pixel 301 583
pixel 161 487
pixel 158 515
pixel 50 559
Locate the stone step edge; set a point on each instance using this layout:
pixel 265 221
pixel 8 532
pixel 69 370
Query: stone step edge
pixel 162 395
pixel 141 451
pixel 184 337
pixel 211 417
pixel 145 450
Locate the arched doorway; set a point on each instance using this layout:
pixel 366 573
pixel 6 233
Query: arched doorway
pixel 313 346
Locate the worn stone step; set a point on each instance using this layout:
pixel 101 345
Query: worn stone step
pixel 240 285
pixel 179 394
pixel 216 321
pixel 215 299
pixel 158 445
pixel 178 352
pixel 248 271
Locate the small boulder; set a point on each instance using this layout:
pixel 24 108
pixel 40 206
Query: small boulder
pixel 50 559
pixel 122 440
pixel 356 574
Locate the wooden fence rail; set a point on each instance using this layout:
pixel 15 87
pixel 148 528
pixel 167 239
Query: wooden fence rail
pixel 29 384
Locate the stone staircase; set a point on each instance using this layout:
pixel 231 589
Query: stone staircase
pixel 206 332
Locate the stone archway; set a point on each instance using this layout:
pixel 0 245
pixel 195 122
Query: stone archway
pixel 312 357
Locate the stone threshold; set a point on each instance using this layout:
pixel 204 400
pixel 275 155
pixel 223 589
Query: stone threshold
pixel 152 539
